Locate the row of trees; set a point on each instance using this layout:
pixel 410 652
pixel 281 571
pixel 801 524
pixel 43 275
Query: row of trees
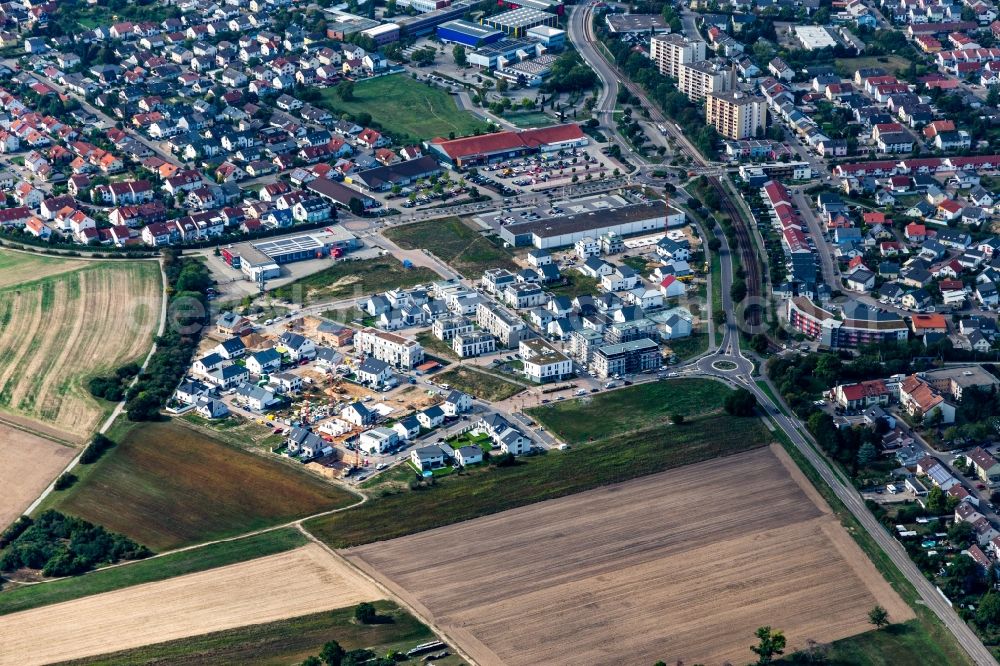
pixel 187 306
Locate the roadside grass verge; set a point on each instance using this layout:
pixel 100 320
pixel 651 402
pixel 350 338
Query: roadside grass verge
pixel 479 383
pixel 147 571
pixel 613 412
pixel 931 643
pixel 285 641
pixel 167 486
pixel 354 278
pixel 455 243
pixel 487 490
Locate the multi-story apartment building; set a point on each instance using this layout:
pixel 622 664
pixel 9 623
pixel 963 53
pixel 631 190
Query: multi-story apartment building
pixel 736 115
pixel 859 324
pixel 700 79
pixel 543 362
pixel 505 326
pixel 473 343
pixel 390 348
pixel 627 358
pixel 671 51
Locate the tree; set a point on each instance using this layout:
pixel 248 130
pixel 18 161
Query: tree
pixel 771 644
pixel 960 534
pixel 357 206
pixel 741 402
pixel 759 343
pixel 677 419
pixel 714 244
pixel 878 616
pixel 365 613
pixel 345 90
pixel 312 661
pixel 988 613
pixel 866 454
pixel 502 85
pixel 936 502
pixel 458 53
pixel 332 654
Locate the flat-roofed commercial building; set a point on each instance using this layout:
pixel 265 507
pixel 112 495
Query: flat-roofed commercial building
pixel 736 115
pixel 517 22
pixel 669 52
pixel 468 34
pixel 566 230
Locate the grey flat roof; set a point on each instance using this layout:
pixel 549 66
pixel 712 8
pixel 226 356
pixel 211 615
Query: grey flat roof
pixel 557 226
pixel 624 347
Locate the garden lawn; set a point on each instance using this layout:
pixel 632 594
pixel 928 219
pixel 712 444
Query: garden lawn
pixel 487 490
pixel 166 486
pixel 404 106
pixel 146 571
pixel 347 279
pixel 481 384
pixel 605 414
pixel 455 243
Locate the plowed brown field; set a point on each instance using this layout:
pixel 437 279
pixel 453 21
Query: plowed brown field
pixel 682 565
pixel 306 580
pixel 28 464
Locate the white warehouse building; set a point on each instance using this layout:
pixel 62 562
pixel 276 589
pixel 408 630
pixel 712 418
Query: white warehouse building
pixel 564 231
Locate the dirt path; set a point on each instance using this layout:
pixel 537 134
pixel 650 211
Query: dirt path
pixel 302 581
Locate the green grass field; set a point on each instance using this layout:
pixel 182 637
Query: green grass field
pixel 893 64
pixel 346 279
pixel 528 119
pixel 905 643
pixel 403 106
pixel 455 243
pixel 488 490
pixel 481 384
pixel 439 348
pixel 220 554
pixel 691 346
pixel 167 486
pixel 286 641
pixel 576 284
pixel 606 414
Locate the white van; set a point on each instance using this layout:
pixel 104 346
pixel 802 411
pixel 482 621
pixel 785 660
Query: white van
pixel 892 489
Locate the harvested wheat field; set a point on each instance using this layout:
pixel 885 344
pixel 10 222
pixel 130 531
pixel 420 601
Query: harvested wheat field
pixel 20 267
pixel 28 464
pixel 305 580
pixel 653 569
pixel 58 332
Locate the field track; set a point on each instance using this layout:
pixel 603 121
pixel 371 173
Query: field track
pixel 661 567
pixel 28 464
pixel 302 581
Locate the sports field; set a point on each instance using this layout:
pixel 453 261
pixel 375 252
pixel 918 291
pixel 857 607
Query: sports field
pixel 61 323
pixel 167 486
pixel 651 569
pixel 28 464
pixel 301 581
pixel 402 105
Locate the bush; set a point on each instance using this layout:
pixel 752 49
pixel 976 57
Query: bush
pixel 741 403
pixel 95 449
pixel 15 530
pixel 365 613
pixel 65 480
pixel 61 545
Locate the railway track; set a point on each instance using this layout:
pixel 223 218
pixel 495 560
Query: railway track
pixel 751 314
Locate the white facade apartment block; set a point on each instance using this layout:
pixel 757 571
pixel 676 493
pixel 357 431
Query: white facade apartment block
pixel 393 349
pixel 671 51
pixel 474 343
pixel 543 362
pixel 505 326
